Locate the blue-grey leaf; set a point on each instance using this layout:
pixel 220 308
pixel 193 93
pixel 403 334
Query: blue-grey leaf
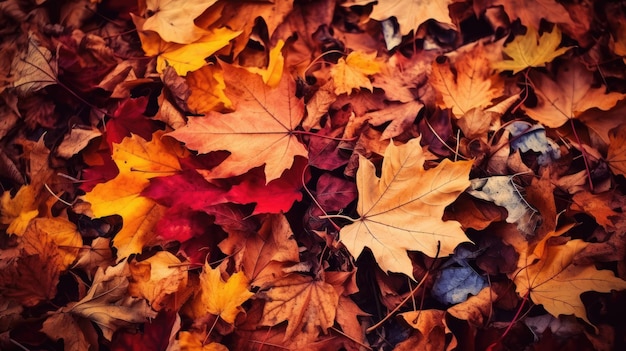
pixel 454 284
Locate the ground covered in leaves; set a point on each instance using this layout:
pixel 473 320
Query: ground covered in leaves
pixel 312 175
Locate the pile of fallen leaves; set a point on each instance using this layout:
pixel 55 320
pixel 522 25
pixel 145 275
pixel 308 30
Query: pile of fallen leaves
pixel 312 175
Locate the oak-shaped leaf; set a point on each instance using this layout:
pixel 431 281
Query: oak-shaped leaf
pixel 218 297
pixel 307 304
pixel 260 131
pixel 556 282
pixel 570 94
pixel 402 209
pixel 108 304
pixel 531 50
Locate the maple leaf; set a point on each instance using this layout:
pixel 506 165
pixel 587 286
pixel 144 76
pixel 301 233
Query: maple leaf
pixel 401 116
pixel 173 19
pixel 431 328
pixel 617 150
pixel 312 302
pixel 107 303
pixel 137 161
pixel 265 118
pixel 531 50
pixel 19 210
pixel 555 282
pixel 568 96
pixel 411 13
pixel 351 73
pixel 219 297
pixel 128 119
pixel 157 277
pixel 473 85
pixel 402 209
pixel 262 255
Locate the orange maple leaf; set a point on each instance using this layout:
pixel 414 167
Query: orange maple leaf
pixel 470 85
pixel 555 282
pixel 260 131
pixel 568 96
pixel 410 14
pixel 402 209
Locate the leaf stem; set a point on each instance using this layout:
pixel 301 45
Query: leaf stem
pixel 375 326
pixel 585 156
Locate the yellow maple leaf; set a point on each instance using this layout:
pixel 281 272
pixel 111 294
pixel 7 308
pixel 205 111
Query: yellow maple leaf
pixel 411 13
pixel 402 209
pixel 218 297
pixel 19 210
pixel 353 71
pixel 138 161
pixel 173 19
pixel 470 85
pixel 274 71
pixel 184 58
pixel 567 97
pixel 531 50
pixel 555 282
pixel 306 303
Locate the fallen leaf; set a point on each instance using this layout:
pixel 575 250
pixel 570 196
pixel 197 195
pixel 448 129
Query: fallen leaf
pixel 17 211
pixel 62 233
pixel 307 304
pixel 138 161
pixel 173 19
pixel 274 71
pixel 76 140
pixel 531 50
pixel 556 283
pixel 567 97
pixel 617 150
pixel 353 71
pixel 207 90
pixel 34 69
pixel 390 204
pixel 107 303
pixel 128 119
pixel 411 14
pixel 265 117
pixel 468 83
pixel 431 330
pixel 478 309
pixel 64 326
pixel 401 116
pixel 218 297
pixel 190 342
pixel 157 277
pixel 262 255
